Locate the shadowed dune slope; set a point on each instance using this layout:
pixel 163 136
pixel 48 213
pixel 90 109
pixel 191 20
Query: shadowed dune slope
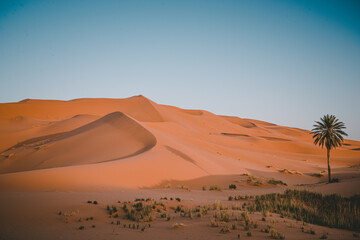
pixel 111 137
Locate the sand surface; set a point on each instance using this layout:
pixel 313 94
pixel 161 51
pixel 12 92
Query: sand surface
pixel 57 154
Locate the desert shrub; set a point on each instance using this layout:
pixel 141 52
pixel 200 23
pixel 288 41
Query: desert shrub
pixel 248 234
pixel 232 186
pixel 95 202
pixel 225 217
pixel 89 201
pixel 225 229
pixel 183 187
pixel 276 235
pixel 324 236
pixel 276 182
pixel 178 199
pixel 177 225
pixel 204 188
pixel 230 198
pixel 81 228
pixel 213 222
pixel 214 188
pixel 218 205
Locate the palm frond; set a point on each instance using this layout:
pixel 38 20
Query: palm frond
pixel 328 132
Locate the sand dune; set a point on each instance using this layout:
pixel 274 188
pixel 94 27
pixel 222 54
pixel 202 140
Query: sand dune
pixel 49 144
pixel 113 137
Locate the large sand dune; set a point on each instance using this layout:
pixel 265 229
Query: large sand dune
pixel 112 137
pixel 134 142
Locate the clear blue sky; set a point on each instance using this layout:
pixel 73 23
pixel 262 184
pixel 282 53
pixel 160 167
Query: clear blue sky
pixel 287 62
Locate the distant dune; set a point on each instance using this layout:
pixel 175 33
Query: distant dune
pixel 134 142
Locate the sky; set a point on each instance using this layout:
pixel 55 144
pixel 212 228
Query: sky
pixel 285 62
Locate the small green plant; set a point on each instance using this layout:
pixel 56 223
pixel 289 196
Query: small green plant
pixel 178 199
pixel 230 198
pixel 232 186
pixel 248 234
pixel 312 231
pixel 95 202
pixel 203 188
pixel 81 228
pixel 89 201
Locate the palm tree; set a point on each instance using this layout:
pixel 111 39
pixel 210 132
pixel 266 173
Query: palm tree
pixel 328 132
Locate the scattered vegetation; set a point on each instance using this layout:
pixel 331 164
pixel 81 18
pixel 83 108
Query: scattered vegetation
pixel 328 210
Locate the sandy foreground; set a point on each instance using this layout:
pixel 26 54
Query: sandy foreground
pixel 57 155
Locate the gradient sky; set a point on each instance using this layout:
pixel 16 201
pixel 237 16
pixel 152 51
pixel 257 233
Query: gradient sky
pixel 286 62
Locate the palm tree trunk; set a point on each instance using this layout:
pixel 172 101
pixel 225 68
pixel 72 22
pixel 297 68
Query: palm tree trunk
pixel 328 162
